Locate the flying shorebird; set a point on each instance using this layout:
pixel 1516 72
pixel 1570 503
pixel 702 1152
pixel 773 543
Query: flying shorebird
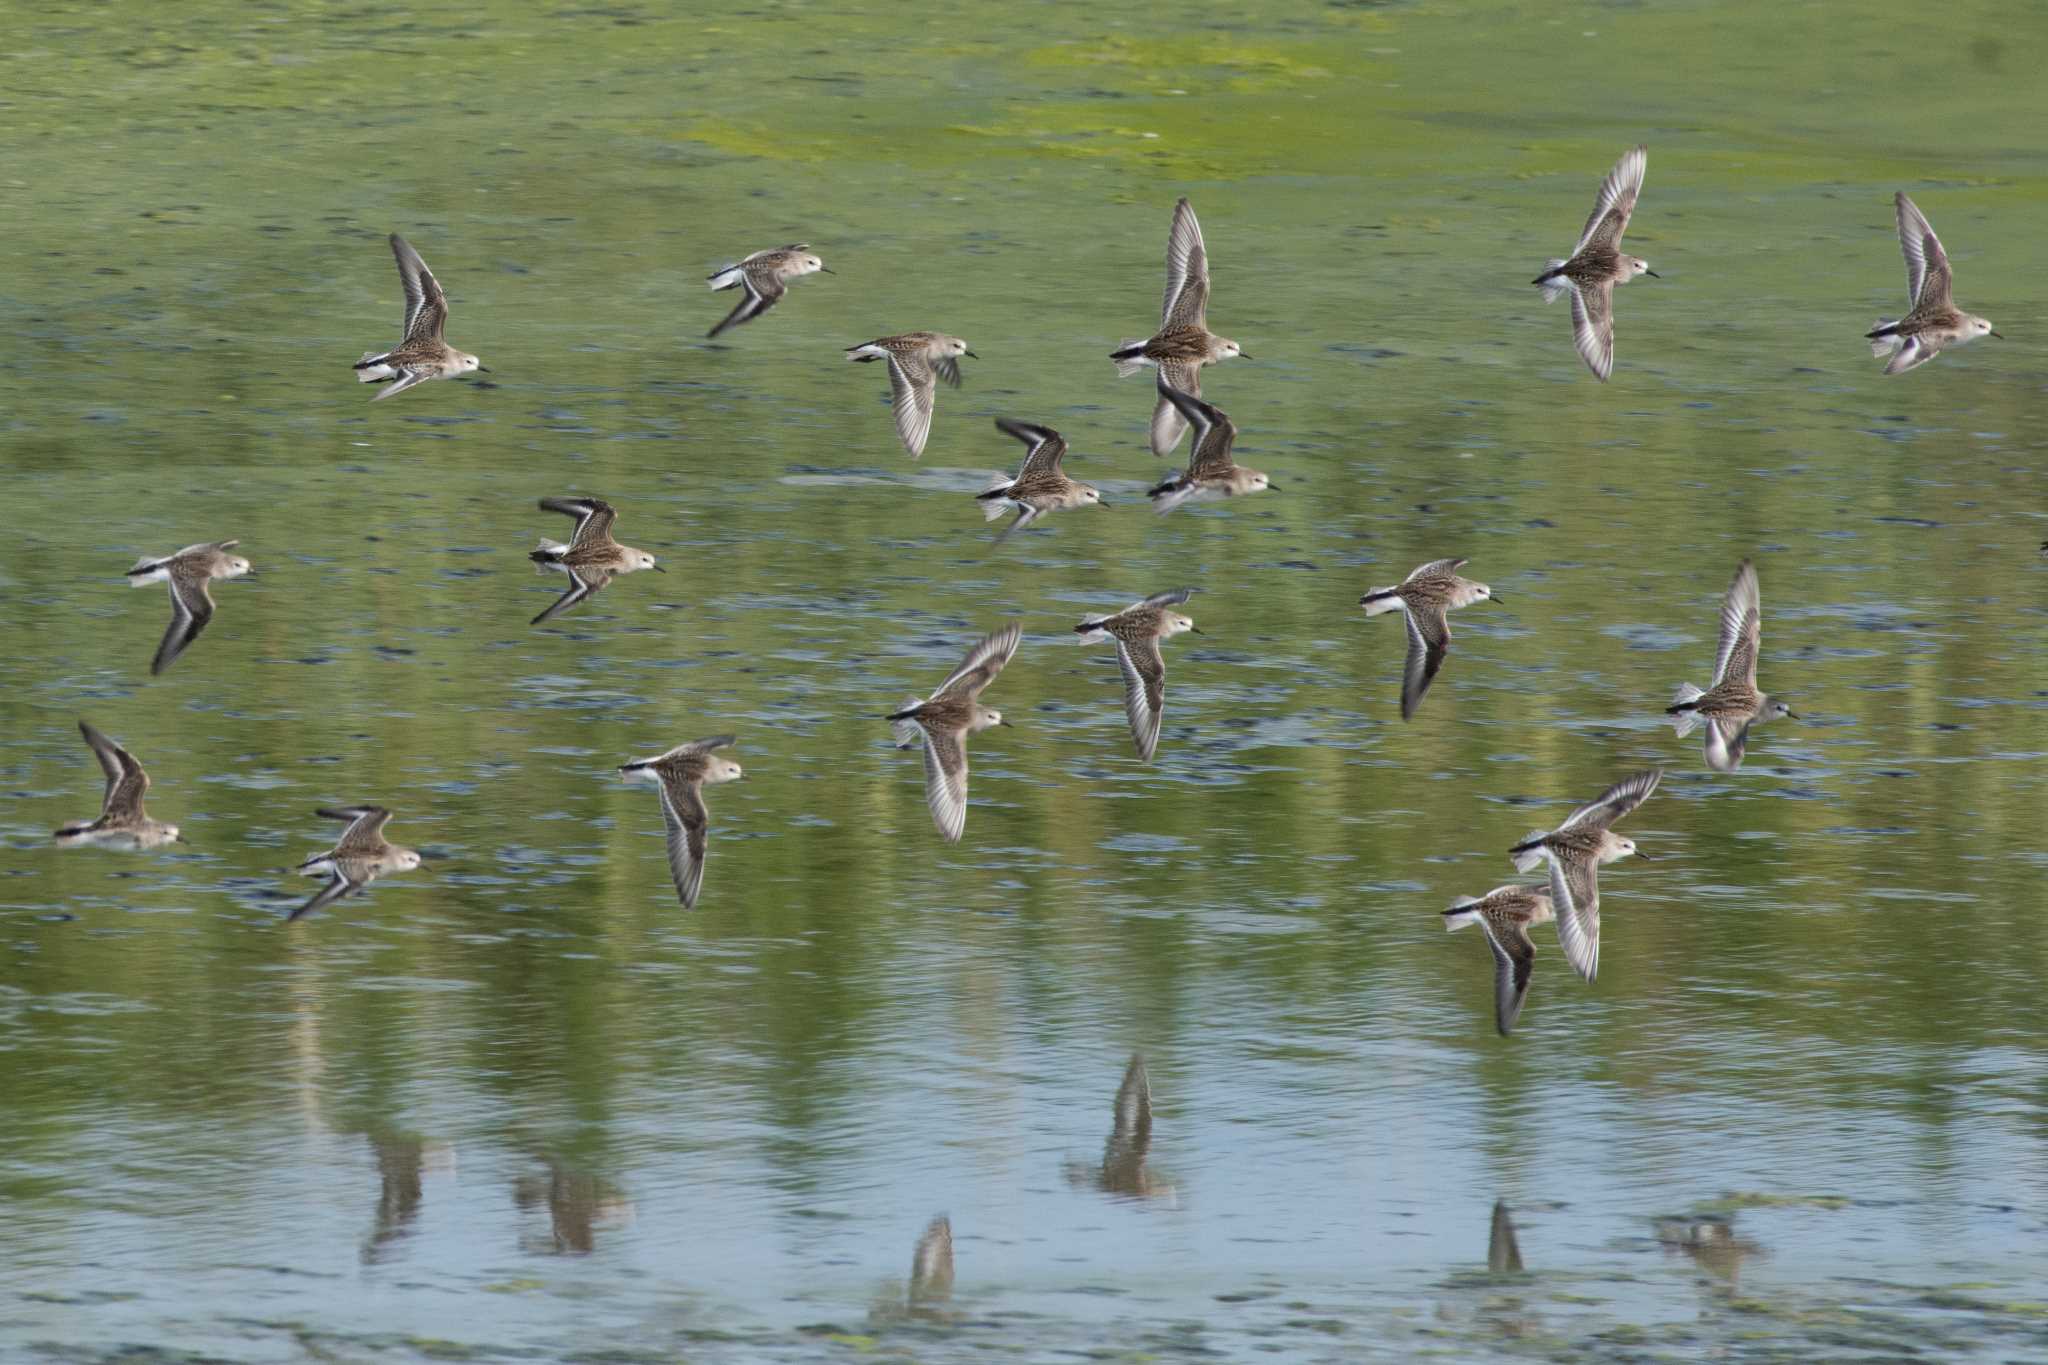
pixel 592 558
pixel 1505 914
pixel 1041 486
pixel 1137 630
pixel 122 822
pixel 1596 264
pixel 1731 705
pixel 682 774
pixel 1575 850
pixel 189 571
pixel 423 354
pixel 1183 344
pixel 1211 472
pixel 946 718
pixel 917 361
pixel 1934 321
pixel 1426 597
pixel 765 275
pixel 358 858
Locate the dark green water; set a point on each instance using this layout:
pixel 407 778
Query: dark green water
pixel 517 1105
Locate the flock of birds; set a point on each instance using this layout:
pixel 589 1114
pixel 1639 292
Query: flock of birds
pixel 941 723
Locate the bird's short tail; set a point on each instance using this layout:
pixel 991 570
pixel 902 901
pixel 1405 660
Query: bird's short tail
pixel 1129 358
pixel 549 552
pixel 1092 626
pixel 146 570
pixel 1884 338
pixel 727 278
pixel 1550 282
pixel 1683 716
pixel 1528 855
pixel 865 353
pixel 1380 601
pixel 1461 913
pixel 992 502
pixel 904 723
pixel 371 368
pixel 73 830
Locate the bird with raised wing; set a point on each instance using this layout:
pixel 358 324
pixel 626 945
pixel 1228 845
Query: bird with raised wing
pixel 122 822
pixel 422 354
pixel 1211 472
pixel 592 558
pixel 358 858
pixel 1732 704
pixel 1183 344
pixel 1933 322
pixel 1597 264
pixel 1040 486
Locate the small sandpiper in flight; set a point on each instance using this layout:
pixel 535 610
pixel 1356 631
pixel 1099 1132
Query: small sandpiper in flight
pixel 422 354
pixel 1183 344
pixel 1596 264
pixel 1934 322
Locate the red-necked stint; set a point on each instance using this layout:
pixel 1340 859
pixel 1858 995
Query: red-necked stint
pixel 358 858
pixel 189 571
pixel 1575 850
pixel 945 719
pixel 1505 914
pixel 1426 597
pixel 1731 705
pixel 1137 630
pixel 765 277
pixel 592 558
pixel 1211 472
pixel 1041 486
pixel 1933 322
pixel 681 774
pixel 1183 344
pixel 917 361
pixel 1596 264
pixel 122 823
pixel 422 354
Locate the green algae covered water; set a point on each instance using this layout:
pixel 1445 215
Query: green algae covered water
pixel 519 1106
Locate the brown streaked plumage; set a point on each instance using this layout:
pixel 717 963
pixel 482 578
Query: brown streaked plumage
pixel 122 822
pixel 1138 630
pixel 1183 344
pixel 1041 486
pixel 1425 598
pixel 1506 914
pixel 917 361
pixel 1211 471
pixel 1732 704
pixel 592 558
pixel 1597 264
pixel 765 276
pixel 682 774
pixel 1934 321
pixel 945 719
pixel 358 858
pixel 1574 850
pixel 189 572
pixel 422 354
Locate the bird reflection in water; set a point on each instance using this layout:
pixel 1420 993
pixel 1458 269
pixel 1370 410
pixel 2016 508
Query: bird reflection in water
pixel 1123 1171
pixel 1503 1253
pixel 931 1281
pixel 1710 1240
pixel 401 1159
pixel 578 1205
